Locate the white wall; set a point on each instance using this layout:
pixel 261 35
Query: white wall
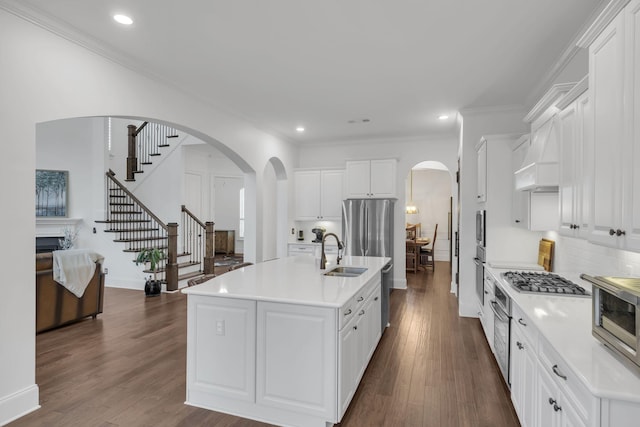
pixel 48 78
pixel 408 152
pixel 477 123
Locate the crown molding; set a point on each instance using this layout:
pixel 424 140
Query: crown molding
pixel 476 111
pixel 610 11
pixel 574 93
pixel 548 99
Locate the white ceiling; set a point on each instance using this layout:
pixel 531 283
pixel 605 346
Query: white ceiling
pixel 320 64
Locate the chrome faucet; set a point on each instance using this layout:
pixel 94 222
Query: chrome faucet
pixel 323 258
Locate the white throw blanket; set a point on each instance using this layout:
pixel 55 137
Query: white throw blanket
pixel 74 268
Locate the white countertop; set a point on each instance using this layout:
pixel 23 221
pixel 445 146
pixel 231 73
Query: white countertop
pixel 565 323
pixel 296 280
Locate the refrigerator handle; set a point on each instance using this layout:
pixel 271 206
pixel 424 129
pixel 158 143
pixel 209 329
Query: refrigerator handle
pixel 365 231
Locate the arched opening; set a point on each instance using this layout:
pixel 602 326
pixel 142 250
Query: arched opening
pixel 274 209
pixel 195 170
pixel 428 207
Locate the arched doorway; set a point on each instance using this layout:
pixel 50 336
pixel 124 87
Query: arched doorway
pixel 429 203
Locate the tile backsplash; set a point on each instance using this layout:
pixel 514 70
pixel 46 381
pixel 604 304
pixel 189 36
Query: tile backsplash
pixel 578 255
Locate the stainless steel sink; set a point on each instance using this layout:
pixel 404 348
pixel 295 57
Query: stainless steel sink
pixel 346 271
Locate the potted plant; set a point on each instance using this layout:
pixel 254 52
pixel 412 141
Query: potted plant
pixel 153 257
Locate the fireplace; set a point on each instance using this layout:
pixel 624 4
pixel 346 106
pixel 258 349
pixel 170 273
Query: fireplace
pixel 47 244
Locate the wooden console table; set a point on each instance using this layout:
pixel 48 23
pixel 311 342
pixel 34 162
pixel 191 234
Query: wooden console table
pixel 225 241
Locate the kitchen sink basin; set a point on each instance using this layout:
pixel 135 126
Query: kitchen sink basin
pixel 346 271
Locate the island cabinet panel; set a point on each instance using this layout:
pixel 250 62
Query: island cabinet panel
pixel 222 332
pixel 296 353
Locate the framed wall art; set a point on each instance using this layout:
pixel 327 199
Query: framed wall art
pixel 51 193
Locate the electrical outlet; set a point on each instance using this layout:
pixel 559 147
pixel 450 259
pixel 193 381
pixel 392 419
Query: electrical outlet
pixel 106 271
pixel 220 327
pixel 293 231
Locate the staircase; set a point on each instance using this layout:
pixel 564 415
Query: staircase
pixel 145 143
pixel 135 226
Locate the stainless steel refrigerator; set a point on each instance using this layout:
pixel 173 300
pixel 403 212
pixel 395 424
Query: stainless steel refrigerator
pixel 367 230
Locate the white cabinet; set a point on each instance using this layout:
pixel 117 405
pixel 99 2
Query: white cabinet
pixel 359 338
pixel 535 211
pixel 486 314
pixel 221 351
pixel 555 409
pixel 520 201
pixel 575 144
pixel 371 179
pixel 313 249
pixel 614 65
pixel 523 368
pixel 292 376
pixel 318 195
pixel 481 178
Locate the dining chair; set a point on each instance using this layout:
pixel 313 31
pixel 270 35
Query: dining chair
pixel 427 252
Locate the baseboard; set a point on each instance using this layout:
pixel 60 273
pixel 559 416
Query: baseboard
pixel 19 404
pixel 400 283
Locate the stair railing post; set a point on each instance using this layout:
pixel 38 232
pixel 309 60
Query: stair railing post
pixel 209 250
pixel 172 257
pixel 132 157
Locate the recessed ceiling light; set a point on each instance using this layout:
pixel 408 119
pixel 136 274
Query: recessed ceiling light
pixel 443 117
pixel 300 129
pixel 123 19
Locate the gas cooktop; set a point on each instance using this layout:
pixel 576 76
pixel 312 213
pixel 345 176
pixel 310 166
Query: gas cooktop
pixel 546 283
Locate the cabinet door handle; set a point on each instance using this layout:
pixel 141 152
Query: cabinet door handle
pixel 517 221
pixel 556 407
pixel 348 312
pixel 519 344
pixel 558 373
pixel 522 322
pixel 360 299
pixel 375 299
pixel 486 292
pixel 620 232
pixel 355 327
pixel 361 313
pixel 552 401
pixel 612 232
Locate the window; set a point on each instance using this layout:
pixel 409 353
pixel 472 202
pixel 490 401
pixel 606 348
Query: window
pixel 241 221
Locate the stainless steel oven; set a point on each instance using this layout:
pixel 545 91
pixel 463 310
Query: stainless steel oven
pixel 501 307
pixel 616 314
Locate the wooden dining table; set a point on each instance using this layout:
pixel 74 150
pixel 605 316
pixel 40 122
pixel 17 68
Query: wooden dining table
pixel 413 247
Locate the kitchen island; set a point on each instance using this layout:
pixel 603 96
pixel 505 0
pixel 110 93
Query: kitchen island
pixel 281 342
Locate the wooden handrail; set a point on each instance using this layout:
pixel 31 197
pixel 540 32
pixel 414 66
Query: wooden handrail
pixel 138 130
pixel 193 217
pixel 112 176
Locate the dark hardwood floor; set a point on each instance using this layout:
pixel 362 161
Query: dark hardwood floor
pixel 127 368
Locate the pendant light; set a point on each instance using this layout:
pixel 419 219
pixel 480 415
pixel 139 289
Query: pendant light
pixel 411 207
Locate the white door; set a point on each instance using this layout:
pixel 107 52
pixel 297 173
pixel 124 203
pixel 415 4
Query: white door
pixel 194 195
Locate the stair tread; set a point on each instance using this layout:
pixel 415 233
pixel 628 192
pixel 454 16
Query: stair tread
pixel 121 221
pixel 120 204
pixel 126 212
pixel 129 230
pixel 180 265
pixel 140 239
pixel 139 249
pixel 155 154
pixel 164 145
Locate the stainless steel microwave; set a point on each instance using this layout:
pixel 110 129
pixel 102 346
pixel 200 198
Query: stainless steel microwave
pixel 616 314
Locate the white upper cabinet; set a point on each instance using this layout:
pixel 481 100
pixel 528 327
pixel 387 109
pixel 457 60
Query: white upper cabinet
pixel 520 201
pixel 614 65
pixel 371 179
pixel 575 145
pixel 481 196
pixel 319 194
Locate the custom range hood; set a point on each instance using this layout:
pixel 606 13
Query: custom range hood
pixel 540 169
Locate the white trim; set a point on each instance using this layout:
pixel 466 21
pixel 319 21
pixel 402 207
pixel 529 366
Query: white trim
pixel 54 226
pixel 548 99
pixel 606 16
pixel 574 93
pixel 19 404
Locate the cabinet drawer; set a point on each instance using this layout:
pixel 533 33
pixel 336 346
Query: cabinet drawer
pixel 301 249
pixel 580 397
pixel 525 326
